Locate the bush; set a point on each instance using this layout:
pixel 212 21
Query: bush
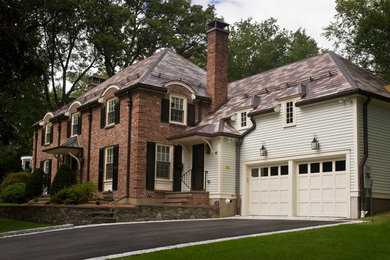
pixel 34 185
pixel 75 194
pixel 14 193
pixel 15 177
pixel 64 178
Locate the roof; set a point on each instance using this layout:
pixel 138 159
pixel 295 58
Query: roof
pixel 323 76
pixel 154 71
pixel 70 146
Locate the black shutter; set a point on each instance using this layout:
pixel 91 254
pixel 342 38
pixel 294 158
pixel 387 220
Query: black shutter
pixel 79 126
pixel 177 168
pixel 191 115
pixel 101 169
pixel 43 136
pixel 49 175
pixel 117 112
pixel 102 117
pixel 68 127
pixel 51 133
pixel 165 110
pixel 42 164
pixel 115 170
pixel 150 162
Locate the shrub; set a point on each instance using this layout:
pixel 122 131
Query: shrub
pixel 75 194
pixel 64 178
pixel 34 185
pixel 14 193
pixel 15 177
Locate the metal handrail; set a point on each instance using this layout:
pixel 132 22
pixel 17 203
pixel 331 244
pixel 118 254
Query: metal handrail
pixel 186 178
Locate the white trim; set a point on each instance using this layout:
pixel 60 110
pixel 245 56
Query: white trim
pixel 294 114
pixel 72 120
pixel 107 108
pixel 180 83
pixel 74 103
pixel 220 164
pixel 355 115
pixel 162 183
pixel 108 88
pixel 46 128
pixel 47 114
pixel 184 109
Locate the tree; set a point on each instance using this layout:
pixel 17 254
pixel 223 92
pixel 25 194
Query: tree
pixel 255 47
pixel 361 32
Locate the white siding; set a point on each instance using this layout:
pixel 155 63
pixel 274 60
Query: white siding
pixel 331 121
pixel 229 166
pixel 379 145
pixel 211 164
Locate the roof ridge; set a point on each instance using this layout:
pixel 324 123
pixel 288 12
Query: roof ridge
pixel 336 60
pixel 151 68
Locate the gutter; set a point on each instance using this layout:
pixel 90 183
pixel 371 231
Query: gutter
pixel 130 107
pixel 364 158
pixel 89 142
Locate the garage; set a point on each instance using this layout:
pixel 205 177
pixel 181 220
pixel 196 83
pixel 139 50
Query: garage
pixel 316 188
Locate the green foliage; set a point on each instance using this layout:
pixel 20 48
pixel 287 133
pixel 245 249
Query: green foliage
pixel 361 31
pixel 14 193
pixel 15 177
pixel 34 185
pixel 64 178
pixel 7 225
pixel 255 47
pixel 75 194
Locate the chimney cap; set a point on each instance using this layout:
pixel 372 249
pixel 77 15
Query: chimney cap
pixel 218 24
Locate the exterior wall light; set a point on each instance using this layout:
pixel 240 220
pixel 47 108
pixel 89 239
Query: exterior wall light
pixel 263 150
pixel 315 145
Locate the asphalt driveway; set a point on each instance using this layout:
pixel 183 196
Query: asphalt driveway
pixel 94 241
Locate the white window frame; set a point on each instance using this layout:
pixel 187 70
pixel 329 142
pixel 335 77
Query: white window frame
pixel 111 101
pixel 46 166
pixel 47 127
pixel 184 110
pixel 240 120
pixel 73 119
pixel 285 114
pixel 170 154
pixel 108 160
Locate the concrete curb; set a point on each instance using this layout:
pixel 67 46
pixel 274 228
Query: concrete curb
pixel 35 230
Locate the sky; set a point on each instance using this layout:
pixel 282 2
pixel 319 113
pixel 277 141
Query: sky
pixel 311 15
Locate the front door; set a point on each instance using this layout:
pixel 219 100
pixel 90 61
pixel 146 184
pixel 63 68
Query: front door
pixel 177 168
pixel 197 167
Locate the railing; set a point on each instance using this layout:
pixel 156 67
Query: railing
pixel 186 178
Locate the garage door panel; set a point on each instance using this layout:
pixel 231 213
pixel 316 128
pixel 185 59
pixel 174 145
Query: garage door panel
pixel 315 181
pixel 341 194
pixel 284 184
pixel 315 195
pixel 264 196
pixel 284 194
pixel 275 184
pixel 275 196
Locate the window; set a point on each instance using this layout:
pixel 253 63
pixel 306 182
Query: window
pixel 76 118
pixel 255 172
pixel 327 167
pixel 274 171
pixel 109 163
pixel 46 166
pixel 264 172
pixel 284 170
pixel 163 162
pixel 340 165
pixel 111 112
pixel 48 133
pixel 289 113
pixel 303 169
pixel 177 109
pixel 243 119
pixel 314 167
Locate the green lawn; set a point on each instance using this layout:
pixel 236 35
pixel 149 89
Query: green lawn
pixel 352 241
pixel 7 224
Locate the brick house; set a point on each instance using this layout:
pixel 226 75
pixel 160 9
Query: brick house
pixel 293 141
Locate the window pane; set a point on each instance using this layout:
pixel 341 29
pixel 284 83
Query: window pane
pixel 274 171
pixel 109 171
pixel 314 167
pixel 177 109
pixel 255 172
pixel 264 172
pixel 327 167
pixel 284 170
pixel 243 119
pixel 340 165
pixel 162 170
pixel 303 168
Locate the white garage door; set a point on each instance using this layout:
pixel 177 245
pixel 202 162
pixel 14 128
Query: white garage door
pixel 322 188
pixel 269 191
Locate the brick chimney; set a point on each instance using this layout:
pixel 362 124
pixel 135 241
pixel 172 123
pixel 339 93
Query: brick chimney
pixel 217 62
pixel 95 80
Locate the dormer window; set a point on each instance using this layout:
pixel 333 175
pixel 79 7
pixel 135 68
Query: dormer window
pixel 289 113
pixel 111 112
pixel 76 124
pixel 243 119
pixel 49 133
pixel 177 110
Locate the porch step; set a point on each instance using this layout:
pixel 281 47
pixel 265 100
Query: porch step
pixel 187 198
pixel 43 199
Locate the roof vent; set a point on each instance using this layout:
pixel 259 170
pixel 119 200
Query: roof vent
pixel 301 90
pixel 255 101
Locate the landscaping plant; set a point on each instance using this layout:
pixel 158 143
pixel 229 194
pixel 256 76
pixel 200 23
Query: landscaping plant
pixel 64 178
pixel 15 177
pixel 14 193
pixel 34 185
pixel 79 193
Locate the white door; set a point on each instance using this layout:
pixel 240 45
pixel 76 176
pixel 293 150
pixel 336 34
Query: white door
pixel 269 191
pixel 322 188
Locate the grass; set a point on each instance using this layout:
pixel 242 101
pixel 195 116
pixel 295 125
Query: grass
pixel 353 241
pixel 7 224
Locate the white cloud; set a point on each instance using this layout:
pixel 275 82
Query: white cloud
pixel 312 15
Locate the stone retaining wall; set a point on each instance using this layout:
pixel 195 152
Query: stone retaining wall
pixel 79 215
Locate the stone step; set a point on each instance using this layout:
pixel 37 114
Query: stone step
pixel 100 220
pixel 105 214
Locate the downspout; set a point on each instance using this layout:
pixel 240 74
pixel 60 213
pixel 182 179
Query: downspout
pixel 238 155
pixel 58 141
pixel 35 152
pixel 364 159
pixel 89 142
pixel 130 106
